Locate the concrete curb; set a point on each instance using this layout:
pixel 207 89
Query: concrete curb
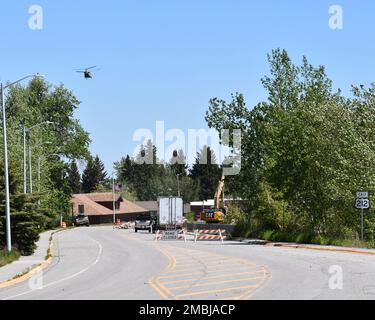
pixel 317 248
pixel 35 270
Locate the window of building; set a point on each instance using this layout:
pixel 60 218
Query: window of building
pixel 81 208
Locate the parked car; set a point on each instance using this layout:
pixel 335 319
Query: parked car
pixel 143 223
pixel 81 220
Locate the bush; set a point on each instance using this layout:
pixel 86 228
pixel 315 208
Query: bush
pixel 8 257
pixel 267 235
pixel 25 229
pixel 285 236
pixel 190 217
pixel 26 234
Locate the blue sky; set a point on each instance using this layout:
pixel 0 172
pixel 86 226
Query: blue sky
pixel 163 60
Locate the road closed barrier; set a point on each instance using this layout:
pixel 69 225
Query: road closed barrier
pixel 211 235
pixel 170 235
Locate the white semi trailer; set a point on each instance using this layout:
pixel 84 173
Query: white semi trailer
pixel 170 212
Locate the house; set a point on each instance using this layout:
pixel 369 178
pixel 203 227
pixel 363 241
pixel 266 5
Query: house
pixel 151 206
pixel 99 207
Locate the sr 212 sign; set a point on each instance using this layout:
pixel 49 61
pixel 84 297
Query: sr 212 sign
pixel 362 203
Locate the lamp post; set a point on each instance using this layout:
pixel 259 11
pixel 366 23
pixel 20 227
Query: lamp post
pixel 26 131
pixel 178 183
pixel 30 160
pixel 6 169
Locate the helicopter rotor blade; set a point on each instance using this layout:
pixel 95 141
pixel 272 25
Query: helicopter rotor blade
pixel 90 68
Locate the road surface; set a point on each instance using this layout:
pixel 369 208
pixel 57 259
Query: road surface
pixel 103 263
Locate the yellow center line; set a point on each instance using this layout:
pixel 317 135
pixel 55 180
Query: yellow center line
pixel 197 293
pixel 207 264
pixel 214 277
pixel 205 270
pixel 214 283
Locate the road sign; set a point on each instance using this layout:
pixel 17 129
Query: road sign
pixel 362 195
pixel 362 203
pixel 170 235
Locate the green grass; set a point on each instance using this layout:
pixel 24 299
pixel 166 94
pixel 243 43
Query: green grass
pixel 8 257
pixel 308 238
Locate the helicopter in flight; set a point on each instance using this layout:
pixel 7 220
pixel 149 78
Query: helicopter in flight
pixel 87 72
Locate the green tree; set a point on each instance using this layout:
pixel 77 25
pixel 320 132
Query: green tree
pixel 94 176
pixel 27 220
pixel 305 151
pixel 35 103
pixel 74 178
pixel 178 163
pixel 206 173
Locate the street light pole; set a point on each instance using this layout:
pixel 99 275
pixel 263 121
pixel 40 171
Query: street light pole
pixel 24 161
pixel 6 172
pixel 178 184
pixel 39 164
pixel 30 161
pixel 26 133
pixel 30 173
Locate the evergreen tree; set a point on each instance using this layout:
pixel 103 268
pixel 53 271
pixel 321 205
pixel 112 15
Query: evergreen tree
pixel 74 178
pixel 94 176
pixel 101 174
pixel 89 178
pixel 178 163
pixel 27 219
pixel 206 173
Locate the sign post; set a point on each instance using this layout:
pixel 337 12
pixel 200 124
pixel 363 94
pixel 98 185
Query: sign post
pixel 362 202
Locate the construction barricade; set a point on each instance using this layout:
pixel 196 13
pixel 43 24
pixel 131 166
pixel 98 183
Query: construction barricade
pixel 170 235
pixel 209 235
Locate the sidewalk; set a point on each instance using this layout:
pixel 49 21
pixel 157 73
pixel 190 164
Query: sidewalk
pixel 24 264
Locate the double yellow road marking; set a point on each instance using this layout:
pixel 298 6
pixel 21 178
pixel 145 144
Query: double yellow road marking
pixel 214 276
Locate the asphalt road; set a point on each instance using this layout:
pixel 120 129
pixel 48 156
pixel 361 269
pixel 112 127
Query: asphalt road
pixel 103 263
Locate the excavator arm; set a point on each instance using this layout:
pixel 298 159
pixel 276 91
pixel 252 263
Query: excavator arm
pixel 219 193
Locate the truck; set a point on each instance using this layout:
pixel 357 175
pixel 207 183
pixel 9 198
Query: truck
pixel 217 213
pixel 170 213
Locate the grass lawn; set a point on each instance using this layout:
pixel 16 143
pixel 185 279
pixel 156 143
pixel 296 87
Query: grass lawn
pixel 8 257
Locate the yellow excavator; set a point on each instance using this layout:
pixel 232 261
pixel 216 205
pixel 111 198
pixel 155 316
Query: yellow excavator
pixel 216 214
